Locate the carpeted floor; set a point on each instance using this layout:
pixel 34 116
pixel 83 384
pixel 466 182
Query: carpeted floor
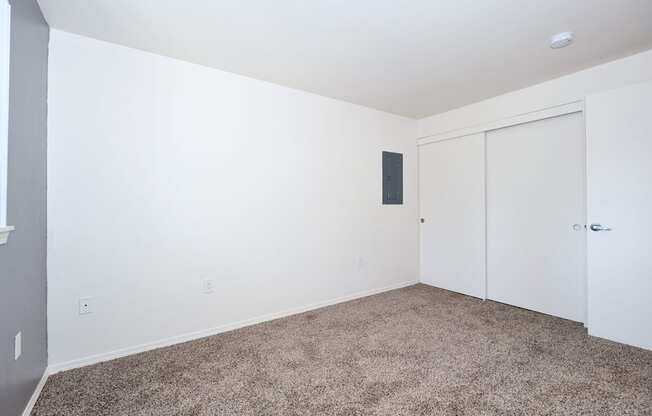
pixel 413 351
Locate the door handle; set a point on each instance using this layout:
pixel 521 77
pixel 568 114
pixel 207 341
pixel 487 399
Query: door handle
pixel 598 227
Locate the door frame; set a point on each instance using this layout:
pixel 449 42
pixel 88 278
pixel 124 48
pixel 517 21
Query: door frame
pixel 547 112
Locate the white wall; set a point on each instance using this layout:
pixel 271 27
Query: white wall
pixel 162 173
pixel 559 91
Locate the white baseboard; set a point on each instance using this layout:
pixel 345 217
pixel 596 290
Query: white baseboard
pixel 37 392
pixel 94 359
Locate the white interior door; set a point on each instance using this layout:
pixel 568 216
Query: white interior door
pixel 535 195
pixel 619 148
pixel 451 196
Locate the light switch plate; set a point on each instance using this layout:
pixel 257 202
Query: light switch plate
pixel 207 286
pixel 18 345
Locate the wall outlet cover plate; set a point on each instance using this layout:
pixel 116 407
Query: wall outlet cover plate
pixel 85 306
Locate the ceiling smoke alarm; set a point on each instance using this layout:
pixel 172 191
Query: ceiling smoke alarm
pixel 561 40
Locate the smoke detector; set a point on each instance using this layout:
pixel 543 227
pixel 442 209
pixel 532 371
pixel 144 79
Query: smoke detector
pixel 561 40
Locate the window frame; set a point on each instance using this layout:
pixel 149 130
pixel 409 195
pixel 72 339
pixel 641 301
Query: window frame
pixel 5 54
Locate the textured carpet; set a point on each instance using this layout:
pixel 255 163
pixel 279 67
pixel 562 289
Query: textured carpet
pixel 413 351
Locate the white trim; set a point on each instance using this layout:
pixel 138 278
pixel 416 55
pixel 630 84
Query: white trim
pixel 485 201
pixel 4 234
pixel 558 110
pixel 94 359
pixel 36 394
pixel 5 52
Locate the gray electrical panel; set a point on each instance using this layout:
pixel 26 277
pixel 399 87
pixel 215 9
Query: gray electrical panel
pixel 392 178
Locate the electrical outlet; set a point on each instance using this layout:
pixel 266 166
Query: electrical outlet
pixel 207 286
pixel 18 345
pixel 85 306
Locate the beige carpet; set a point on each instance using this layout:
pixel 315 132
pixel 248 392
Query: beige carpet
pixel 413 351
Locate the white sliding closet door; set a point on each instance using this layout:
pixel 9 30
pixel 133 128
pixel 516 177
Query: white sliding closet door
pixel 536 240
pixel 451 196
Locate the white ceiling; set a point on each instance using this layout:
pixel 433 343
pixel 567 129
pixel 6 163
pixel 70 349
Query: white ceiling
pixel 410 57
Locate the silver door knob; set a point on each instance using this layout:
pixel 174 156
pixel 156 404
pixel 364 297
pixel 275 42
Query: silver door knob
pixel 598 227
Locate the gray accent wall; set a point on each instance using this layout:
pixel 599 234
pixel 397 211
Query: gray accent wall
pixel 23 258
